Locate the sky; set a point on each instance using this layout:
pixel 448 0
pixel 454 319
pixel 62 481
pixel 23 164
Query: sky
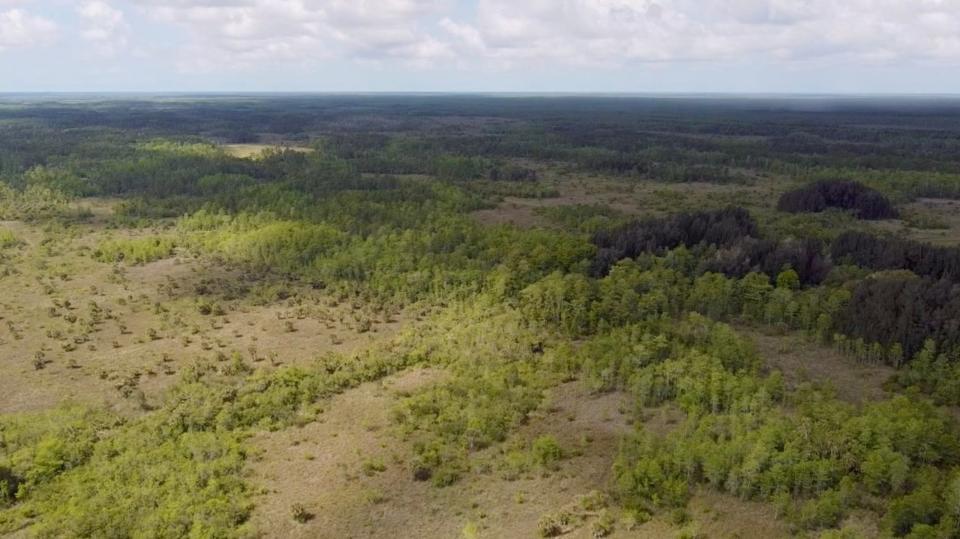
pixel 615 46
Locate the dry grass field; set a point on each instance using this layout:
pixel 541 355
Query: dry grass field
pixel 252 151
pixel 76 329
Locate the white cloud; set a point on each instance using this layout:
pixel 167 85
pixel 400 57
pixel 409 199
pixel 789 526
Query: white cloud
pixel 21 29
pixel 242 33
pixel 223 34
pixel 619 32
pixel 104 27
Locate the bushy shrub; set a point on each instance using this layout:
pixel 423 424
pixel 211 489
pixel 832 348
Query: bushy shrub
pixel 546 452
pixel 299 513
pixel 33 203
pixel 135 250
pixel 555 524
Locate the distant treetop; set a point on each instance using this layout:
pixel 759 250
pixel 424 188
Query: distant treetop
pixel 865 202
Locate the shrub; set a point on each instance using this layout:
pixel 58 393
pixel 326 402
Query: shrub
pixel 555 524
pixel 7 239
pixel 603 526
pixel 471 530
pixel 371 467
pixel 546 452
pixel 299 513
pixel 823 512
pixel 135 250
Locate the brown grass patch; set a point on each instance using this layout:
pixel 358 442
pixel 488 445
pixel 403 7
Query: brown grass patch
pixel 320 466
pixel 923 213
pixel 804 361
pixel 630 197
pixel 151 325
pixel 253 151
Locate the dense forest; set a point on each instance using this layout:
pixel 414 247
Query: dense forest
pixel 197 288
pixel 866 203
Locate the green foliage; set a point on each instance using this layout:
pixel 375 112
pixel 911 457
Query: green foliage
pixel 498 189
pixel 900 184
pixel 497 379
pixel 934 373
pixel 135 250
pixel 141 212
pixel 577 305
pixel 194 149
pixel 452 167
pixel 737 438
pixel 36 448
pixel 212 184
pixel 788 279
pixel 195 487
pixel 917 512
pixel 555 524
pixel 177 472
pixel 825 511
pixel 587 218
pixel 924 221
pixel 604 525
pixel 299 513
pixel 8 239
pixel 546 452
pixel 57 181
pixel 647 477
pixel 543 454
pixel 33 203
pixel 471 530
pixel 284 246
pixel 562 301
pixel 443 257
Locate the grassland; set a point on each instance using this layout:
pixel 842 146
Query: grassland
pixel 252 151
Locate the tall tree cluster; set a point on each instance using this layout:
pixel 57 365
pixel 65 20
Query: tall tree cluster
pixel 864 202
pixel 717 228
pixel 879 253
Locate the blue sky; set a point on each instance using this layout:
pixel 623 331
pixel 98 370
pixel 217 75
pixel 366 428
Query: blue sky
pixel 753 46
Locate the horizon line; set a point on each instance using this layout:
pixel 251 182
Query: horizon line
pixel 478 93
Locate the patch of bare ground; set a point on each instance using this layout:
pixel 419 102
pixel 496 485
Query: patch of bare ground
pixel 661 420
pixel 321 466
pixel 523 211
pixel 512 211
pixel 587 426
pixel 714 515
pixel 804 361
